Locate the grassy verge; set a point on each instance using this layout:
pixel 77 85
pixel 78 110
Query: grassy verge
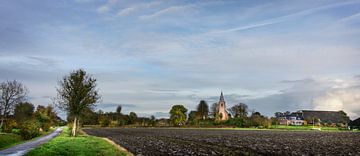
pixel 302 128
pixel 82 145
pixel 8 140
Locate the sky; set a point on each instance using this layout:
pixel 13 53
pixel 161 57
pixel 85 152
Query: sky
pixel 149 55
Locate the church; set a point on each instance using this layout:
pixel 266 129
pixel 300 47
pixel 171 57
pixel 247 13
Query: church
pixel 221 108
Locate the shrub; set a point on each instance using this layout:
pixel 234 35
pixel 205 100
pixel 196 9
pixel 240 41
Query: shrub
pixel 238 122
pixel 9 125
pixel 15 131
pixel 29 129
pixel 104 121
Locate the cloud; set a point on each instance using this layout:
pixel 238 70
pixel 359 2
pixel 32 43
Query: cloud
pixel 313 93
pixel 166 11
pixel 43 61
pixel 138 7
pixel 106 7
pixel 286 17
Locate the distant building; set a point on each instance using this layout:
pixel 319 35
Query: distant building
pixel 313 117
pixel 224 115
pixel 328 117
pixel 355 124
pixel 294 118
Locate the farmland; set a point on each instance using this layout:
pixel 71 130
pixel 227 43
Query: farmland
pixel 164 141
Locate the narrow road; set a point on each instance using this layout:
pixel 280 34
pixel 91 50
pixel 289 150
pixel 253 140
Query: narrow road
pixel 22 149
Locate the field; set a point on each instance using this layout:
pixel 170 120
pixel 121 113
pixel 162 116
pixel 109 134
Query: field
pixel 152 141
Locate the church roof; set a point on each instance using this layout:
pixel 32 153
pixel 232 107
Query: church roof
pixel 222 97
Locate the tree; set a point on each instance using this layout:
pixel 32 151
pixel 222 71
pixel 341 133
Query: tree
pixel 214 109
pixel 118 109
pixel 12 93
pixel 152 121
pixel 42 116
pixel 192 117
pixel 203 109
pixel 279 114
pixel 23 111
pixel 239 110
pixel 76 93
pixel 178 115
pixel 132 118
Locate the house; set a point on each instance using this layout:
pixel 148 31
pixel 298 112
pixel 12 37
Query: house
pixel 302 117
pixel 291 119
pixel 325 117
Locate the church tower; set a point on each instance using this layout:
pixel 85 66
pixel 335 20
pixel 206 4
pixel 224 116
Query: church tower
pixel 222 108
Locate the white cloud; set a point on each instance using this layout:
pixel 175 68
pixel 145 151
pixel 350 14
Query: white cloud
pixel 166 11
pixel 286 17
pixel 344 98
pixel 106 7
pixel 137 7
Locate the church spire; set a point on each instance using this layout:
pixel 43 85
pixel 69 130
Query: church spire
pixel 222 97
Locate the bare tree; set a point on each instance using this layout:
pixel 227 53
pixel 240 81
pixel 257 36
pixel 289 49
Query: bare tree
pixel 12 93
pixel 77 92
pixel 239 110
pixel 214 109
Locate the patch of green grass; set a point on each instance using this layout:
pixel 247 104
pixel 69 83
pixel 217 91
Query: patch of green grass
pixel 82 146
pixel 9 139
pixel 301 128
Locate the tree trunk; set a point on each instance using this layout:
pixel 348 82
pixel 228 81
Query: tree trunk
pixel 1 124
pixel 74 127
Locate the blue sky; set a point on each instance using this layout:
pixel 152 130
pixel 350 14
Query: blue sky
pixel 149 55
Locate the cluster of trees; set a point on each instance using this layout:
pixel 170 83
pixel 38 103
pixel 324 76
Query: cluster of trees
pixel 116 118
pixel 203 116
pixel 19 116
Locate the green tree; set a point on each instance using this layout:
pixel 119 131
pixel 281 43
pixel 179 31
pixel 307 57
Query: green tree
pixel 178 115
pixel 132 118
pixel 43 118
pixel 203 109
pixel 118 109
pixel 23 111
pixel 239 110
pixel 193 117
pixel 11 93
pixel 77 92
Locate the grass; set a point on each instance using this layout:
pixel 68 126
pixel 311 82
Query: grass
pixel 8 140
pixel 301 128
pixel 82 145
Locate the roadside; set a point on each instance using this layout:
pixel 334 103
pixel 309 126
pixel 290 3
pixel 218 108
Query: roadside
pixel 22 149
pixel 8 140
pixel 81 145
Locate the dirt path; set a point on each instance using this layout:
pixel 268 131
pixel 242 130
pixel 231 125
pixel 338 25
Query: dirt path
pixel 22 149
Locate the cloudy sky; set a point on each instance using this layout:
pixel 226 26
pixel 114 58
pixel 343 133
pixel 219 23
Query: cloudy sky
pixel 149 55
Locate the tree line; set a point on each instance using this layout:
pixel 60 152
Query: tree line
pixel 77 95
pixel 20 116
pixel 205 116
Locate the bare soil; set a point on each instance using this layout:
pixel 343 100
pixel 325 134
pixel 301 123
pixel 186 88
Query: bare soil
pixel 163 141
